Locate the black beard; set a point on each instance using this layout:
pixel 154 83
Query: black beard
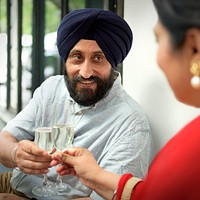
pixel 86 96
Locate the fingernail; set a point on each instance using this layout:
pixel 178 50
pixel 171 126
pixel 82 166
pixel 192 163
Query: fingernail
pixel 59 155
pixel 52 151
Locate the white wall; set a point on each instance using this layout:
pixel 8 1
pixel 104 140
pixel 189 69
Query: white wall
pixel 143 79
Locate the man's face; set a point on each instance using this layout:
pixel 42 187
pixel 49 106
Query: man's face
pixel 88 73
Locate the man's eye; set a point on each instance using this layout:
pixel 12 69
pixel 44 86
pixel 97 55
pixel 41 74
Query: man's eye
pixel 78 57
pixel 98 58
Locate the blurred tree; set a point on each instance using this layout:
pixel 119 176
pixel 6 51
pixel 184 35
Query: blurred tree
pixel 52 14
pixel 3 16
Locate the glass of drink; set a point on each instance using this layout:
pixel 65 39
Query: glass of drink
pixel 63 138
pixel 44 140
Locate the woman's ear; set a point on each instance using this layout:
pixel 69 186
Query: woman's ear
pixel 192 42
pixel 192 39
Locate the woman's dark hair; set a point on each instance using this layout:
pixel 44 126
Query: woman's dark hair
pixel 178 16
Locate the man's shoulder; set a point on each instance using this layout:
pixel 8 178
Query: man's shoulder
pixel 53 83
pixel 54 80
pixel 126 100
pixel 52 88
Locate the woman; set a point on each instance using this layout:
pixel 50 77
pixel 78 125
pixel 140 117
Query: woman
pixel 175 172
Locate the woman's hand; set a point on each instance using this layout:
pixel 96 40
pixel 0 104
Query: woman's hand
pixel 81 163
pixel 78 162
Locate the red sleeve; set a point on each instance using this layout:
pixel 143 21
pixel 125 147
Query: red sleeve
pixel 121 184
pixel 174 172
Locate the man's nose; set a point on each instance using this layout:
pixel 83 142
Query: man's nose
pixel 86 70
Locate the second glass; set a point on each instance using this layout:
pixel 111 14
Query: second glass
pixel 63 135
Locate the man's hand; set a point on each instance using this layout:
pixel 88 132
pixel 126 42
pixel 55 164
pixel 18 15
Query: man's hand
pixel 31 159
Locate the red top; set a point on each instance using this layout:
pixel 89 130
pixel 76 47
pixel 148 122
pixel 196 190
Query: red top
pixel 175 172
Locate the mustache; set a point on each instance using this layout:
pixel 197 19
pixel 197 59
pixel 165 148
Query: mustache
pixel 91 78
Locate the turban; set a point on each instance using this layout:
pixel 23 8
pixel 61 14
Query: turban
pixel 111 32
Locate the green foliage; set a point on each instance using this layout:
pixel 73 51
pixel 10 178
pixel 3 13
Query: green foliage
pixel 52 16
pixel 27 7
pixel 52 13
pixel 3 17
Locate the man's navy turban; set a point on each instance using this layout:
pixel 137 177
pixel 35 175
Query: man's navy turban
pixel 110 31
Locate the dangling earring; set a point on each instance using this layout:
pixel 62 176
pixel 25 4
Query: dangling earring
pixel 195 70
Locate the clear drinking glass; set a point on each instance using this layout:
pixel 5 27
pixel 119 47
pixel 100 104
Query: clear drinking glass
pixel 63 138
pixel 44 140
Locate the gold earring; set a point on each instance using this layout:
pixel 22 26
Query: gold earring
pixel 195 70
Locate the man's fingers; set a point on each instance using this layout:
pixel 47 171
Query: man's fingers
pixel 34 168
pixel 30 148
pixel 34 171
pixel 36 151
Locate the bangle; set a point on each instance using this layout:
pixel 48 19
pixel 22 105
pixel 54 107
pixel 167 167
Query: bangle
pixel 114 194
pixel 124 178
pixel 128 188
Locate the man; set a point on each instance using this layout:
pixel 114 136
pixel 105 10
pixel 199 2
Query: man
pixel 107 121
